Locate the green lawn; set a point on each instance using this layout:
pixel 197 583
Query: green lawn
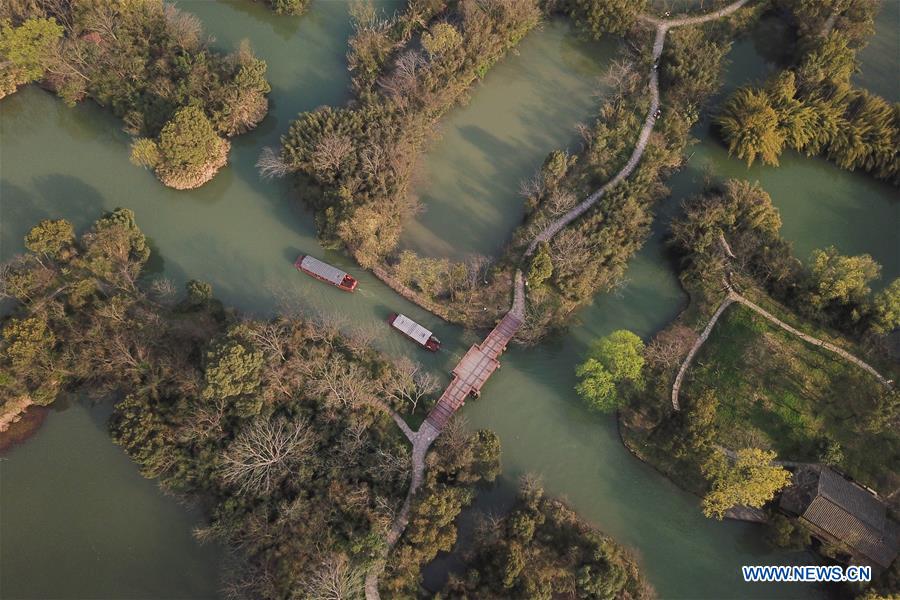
pixel 776 391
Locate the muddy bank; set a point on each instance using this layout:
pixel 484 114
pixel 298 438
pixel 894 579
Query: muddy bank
pixel 23 427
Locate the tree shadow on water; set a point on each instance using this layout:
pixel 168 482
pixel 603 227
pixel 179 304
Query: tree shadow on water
pixel 18 213
pixel 69 197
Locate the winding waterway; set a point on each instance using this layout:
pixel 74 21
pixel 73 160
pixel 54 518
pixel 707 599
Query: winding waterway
pixel 78 520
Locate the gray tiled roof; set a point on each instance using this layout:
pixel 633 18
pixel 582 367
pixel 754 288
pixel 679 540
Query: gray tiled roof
pixel 853 516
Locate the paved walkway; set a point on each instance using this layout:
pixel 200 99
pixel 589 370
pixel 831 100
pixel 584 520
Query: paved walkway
pixel 662 27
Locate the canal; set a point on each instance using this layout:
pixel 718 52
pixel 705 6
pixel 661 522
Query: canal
pixel 79 521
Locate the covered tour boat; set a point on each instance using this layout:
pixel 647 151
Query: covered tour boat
pixel 415 332
pixel 316 268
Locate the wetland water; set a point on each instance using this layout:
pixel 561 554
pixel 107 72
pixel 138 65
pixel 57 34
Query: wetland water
pixel 79 521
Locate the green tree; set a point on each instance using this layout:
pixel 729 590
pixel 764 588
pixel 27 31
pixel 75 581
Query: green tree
pixel 289 7
pixel 189 148
pixel 145 153
pixel 28 341
pixel 596 17
pixel 840 279
pixel 442 38
pixel 25 51
pixel 115 249
pixel 750 126
pixel 199 292
pixel 886 309
pixel 51 238
pixel 233 372
pixel 541 265
pixel 700 428
pixel 615 359
pixel 832 454
pixel 787 533
pixel 750 479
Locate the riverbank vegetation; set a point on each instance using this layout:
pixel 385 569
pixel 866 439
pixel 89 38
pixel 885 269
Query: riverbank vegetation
pixel 753 384
pixel 812 106
pixel 541 549
pixel 152 66
pixel 281 429
pixel 355 163
pixel 288 7
pixel 591 255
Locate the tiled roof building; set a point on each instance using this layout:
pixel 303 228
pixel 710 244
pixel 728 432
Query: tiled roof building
pixel 838 510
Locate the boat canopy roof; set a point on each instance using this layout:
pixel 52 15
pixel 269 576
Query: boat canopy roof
pixel 412 329
pixel 323 270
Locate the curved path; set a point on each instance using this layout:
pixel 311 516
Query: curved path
pixel 662 27
pixel 733 297
pixel 888 383
pixel 431 427
pixel 676 387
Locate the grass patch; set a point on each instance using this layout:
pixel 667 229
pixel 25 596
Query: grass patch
pixel 776 391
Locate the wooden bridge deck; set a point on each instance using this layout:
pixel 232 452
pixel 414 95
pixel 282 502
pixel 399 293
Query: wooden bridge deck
pixel 473 370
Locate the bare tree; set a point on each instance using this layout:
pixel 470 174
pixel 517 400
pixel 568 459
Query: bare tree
pixel 104 19
pixel 360 338
pixel 351 443
pixel 455 436
pixel 271 338
pixel 271 164
pixel 411 383
pixel 477 267
pixel 375 159
pixel 265 452
pixel 569 249
pixel 622 75
pixel 343 383
pixel 390 465
pixel 585 133
pixel 532 187
pixel 330 153
pixel 403 82
pixel 336 578
pixel 184 27
pixel 670 346
pixel 162 289
pixel 206 418
pixel 560 201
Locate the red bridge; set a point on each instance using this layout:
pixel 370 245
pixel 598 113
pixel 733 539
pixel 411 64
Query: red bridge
pixel 478 363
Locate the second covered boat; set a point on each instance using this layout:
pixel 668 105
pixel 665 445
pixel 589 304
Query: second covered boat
pixel 415 332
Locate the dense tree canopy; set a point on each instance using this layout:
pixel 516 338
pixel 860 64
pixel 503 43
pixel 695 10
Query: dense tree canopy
pixel 841 279
pixel 280 427
pixel 189 151
pixel 598 17
pixel 813 107
pixel 25 51
pixel 355 163
pixel 541 549
pixel 150 64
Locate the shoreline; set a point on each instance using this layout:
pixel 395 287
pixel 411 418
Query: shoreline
pixel 27 424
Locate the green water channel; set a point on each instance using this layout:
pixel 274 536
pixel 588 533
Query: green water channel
pixel 76 518
pixel 527 106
